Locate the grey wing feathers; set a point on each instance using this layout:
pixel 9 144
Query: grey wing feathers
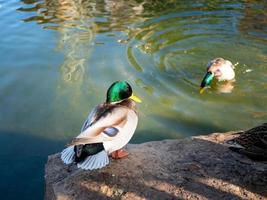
pixel 91 117
pixel 105 118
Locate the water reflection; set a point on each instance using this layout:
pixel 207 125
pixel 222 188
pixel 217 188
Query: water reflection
pixel 66 16
pixel 107 15
pixel 110 15
pixel 76 44
pixel 223 87
pixel 163 47
pixel 77 21
pixel 254 22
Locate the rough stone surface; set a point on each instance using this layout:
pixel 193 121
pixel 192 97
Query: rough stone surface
pixel 193 168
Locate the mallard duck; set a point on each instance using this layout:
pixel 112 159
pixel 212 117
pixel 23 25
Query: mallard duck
pixel 108 128
pixel 252 143
pixel 220 69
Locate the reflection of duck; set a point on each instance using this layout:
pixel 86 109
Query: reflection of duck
pixel 219 69
pixel 252 143
pixel 225 87
pixel 107 129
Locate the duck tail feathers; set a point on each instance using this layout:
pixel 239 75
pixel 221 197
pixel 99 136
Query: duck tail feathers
pixel 68 155
pixel 233 145
pixel 96 161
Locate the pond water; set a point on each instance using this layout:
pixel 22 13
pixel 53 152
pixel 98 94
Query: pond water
pixel 58 57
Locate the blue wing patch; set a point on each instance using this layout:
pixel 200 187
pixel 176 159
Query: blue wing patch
pixel 111 131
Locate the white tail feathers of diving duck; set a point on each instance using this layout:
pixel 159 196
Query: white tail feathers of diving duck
pixel 96 161
pixel 67 155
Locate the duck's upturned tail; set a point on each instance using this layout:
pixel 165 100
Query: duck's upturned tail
pixel 96 161
pixel 68 155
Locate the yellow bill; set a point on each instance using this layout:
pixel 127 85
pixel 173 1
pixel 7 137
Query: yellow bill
pixel 135 98
pixel 201 91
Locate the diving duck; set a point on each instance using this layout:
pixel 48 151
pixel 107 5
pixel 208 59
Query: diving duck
pixel 219 69
pixel 252 143
pixel 108 128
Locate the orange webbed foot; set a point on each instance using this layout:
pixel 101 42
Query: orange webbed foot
pixel 119 154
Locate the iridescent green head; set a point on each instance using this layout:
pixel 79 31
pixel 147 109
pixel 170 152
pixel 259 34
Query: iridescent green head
pixel 207 79
pixel 118 91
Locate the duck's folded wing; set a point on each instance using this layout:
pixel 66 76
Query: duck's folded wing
pixel 104 129
pixel 92 116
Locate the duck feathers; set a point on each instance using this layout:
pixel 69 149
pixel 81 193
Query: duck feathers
pixel 252 143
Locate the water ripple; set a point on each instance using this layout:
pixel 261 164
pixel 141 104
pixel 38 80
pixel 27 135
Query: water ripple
pixel 166 44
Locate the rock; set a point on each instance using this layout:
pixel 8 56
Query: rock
pixel 193 168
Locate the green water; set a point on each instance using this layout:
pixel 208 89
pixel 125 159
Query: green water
pixel 57 58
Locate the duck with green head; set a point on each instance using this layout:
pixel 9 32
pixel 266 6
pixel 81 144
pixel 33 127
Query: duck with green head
pixel 219 69
pixel 108 128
